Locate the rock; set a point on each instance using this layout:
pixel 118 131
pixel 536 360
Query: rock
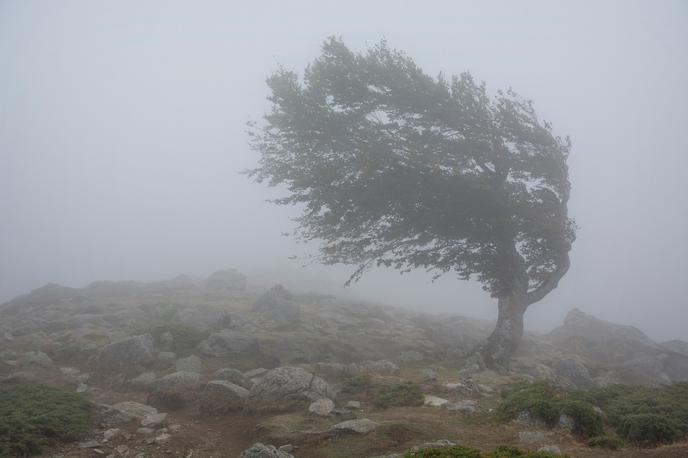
pixel 321 407
pixel 166 357
pixel 145 431
pixel 111 433
pixel 162 438
pixel 288 448
pixel 227 343
pixel 259 450
pixel 221 395
pixel 353 405
pixel 531 437
pixel 442 443
pixel 189 364
pixel 553 449
pixel 380 367
pixel 107 416
pixel 154 421
pixel 122 449
pixel 566 422
pixel 573 369
pixel 429 375
pixel 126 353
pixel 290 384
pixel 343 414
pixel 37 358
pixel 135 409
pixel 177 380
pixel 277 307
pixel 255 373
pixel 234 376
pixel 525 418
pixel 434 401
pixel 81 388
pixel 229 279
pixel 466 406
pixel 166 341
pixel 144 380
pixel 89 444
pixel 359 426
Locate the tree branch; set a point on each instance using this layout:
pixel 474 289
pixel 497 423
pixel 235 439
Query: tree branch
pixel 550 283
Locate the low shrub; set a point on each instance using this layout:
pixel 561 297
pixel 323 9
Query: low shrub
pixel 547 404
pixel 400 395
pixel 33 416
pixel 609 442
pixel 459 451
pixel 649 430
pixel 356 384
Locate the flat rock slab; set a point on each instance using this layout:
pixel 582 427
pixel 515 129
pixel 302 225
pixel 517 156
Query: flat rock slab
pixel 135 409
pixel 359 426
pixel 434 401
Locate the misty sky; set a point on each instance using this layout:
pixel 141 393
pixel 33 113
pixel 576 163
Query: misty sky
pixel 122 135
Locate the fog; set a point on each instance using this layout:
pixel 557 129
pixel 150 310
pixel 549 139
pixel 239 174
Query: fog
pixel 122 139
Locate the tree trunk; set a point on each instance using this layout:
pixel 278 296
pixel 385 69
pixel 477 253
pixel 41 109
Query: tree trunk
pixel 507 335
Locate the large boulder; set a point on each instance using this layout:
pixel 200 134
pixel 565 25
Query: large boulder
pixel 290 384
pixel 127 354
pixel 222 396
pixel 572 369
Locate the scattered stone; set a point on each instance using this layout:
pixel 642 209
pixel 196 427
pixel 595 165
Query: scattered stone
pixel 178 379
pixel 229 342
pixel 135 409
pixel 344 414
pixel 353 405
pixel 288 448
pixel 111 433
pixel 81 388
pixel 467 406
pixel 163 438
pixel 89 444
pixel 525 418
pixel 122 449
pixel 292 384
pixel 359 426
pixel 255 373
pixel 572 369
pixel 531 437
pixel 259 450
pixel 154 421
pixel 442 443
pixel 189 364
pixel 321 407
pixel 434 401
pixel 145 431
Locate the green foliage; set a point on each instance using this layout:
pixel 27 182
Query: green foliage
pixel 356 384
pixel 643 415
pixel 609 442
pixel 397 168
pixel 649 430
pixel 459 451
pixel 547 404
pixel 399 395
pixel 33 415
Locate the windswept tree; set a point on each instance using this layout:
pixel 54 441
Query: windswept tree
pixel 395 168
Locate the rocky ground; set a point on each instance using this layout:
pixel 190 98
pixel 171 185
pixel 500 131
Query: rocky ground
pixel 211 368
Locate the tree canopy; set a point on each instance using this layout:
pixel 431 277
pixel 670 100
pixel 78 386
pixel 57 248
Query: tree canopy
pixel 397 168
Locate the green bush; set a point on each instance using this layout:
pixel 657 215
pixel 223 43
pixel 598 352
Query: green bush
pixel 356 384
pixel 399 395
pixel 643 415
pixel 611 443
pixel 31 416
pixel 547 404
pixel 649 430
pixel 459 451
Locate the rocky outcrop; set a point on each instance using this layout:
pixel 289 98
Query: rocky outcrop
pixel 259 450
pixel 228 342
pixel 127 353
pixel 277 308
pixel 290 384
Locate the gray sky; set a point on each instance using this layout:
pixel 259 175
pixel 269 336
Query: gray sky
pixel 122 132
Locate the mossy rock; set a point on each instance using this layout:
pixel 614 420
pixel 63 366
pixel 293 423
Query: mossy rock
pixel 33 416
